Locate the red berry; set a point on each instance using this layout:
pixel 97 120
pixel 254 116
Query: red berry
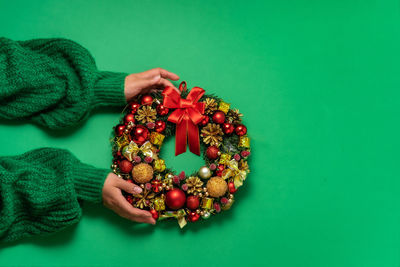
pixel 193 216
pixel 175 180
pixel 160 126
pixel 228 128
pixel 205 120
pixel 217 207
pixel 162 110
pixel 129 198
pixel 245 153
pixel 154 214
pixel 134 107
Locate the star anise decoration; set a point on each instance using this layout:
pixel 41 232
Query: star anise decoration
pixel 144 199
pixel 194 185
pixel 146 114
pixel 212 134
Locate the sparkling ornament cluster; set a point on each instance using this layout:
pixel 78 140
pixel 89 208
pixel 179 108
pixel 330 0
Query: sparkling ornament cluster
pixel 136 145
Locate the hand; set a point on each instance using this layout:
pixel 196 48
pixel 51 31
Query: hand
pixel 148 81
pixel 114 200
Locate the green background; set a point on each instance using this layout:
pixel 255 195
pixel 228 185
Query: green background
pixel 318 84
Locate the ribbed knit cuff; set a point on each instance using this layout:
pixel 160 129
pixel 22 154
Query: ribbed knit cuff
pixel 89 181
pixel 109 89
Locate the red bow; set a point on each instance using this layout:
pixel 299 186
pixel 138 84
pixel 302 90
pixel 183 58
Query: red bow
pixel 187 114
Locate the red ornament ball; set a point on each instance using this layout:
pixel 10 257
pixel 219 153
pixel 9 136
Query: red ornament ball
pixel 140 134
pixel 212 152
pixel 134 107
pixel 205 120
pixel 175 198
pixel 125 166
pixel 162 110
pixel 193 216
pixel 240 130
pixel 147 100
pixel 154 214
pixel 228 128
pixel 231 187
pixel 192 202
pixel 119 129
pixel 160 126
pixel 218 117
pixel 129 118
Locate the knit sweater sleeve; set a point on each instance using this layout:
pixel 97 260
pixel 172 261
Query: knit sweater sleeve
pixel 40 189
pixel 54 82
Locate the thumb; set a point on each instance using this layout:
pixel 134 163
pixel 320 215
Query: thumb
pixel 128 187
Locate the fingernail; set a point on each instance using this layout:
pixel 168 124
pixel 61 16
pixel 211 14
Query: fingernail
pixel 137 190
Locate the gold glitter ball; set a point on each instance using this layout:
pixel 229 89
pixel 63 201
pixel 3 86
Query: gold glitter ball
pixel 142 173
pixel 216 186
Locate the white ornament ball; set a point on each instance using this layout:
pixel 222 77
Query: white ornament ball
pixel 204 172
pixel 206 215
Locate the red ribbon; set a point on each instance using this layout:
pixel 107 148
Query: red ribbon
pixel 187 114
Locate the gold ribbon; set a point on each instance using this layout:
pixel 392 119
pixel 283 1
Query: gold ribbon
pixel 133 149
pixel 179 215
pixel 233 171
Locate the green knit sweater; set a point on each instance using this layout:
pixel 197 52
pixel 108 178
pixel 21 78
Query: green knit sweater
pixel 54 83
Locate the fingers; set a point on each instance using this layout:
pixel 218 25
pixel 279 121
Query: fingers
pixel 159 72
pixel 132 213
pixel 164 83
pixel 127 186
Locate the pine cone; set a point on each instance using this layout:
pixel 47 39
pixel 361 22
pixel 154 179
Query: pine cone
pixel 234 116
pixel 210 106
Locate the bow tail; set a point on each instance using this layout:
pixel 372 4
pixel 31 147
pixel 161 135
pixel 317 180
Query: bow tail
pixel 180 136
pixel 194 140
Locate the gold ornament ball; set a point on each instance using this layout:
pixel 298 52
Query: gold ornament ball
pixel 204 172
pixel 142 173
pixel 216 186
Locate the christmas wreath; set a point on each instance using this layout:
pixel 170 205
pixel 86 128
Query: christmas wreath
pixel 198 120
